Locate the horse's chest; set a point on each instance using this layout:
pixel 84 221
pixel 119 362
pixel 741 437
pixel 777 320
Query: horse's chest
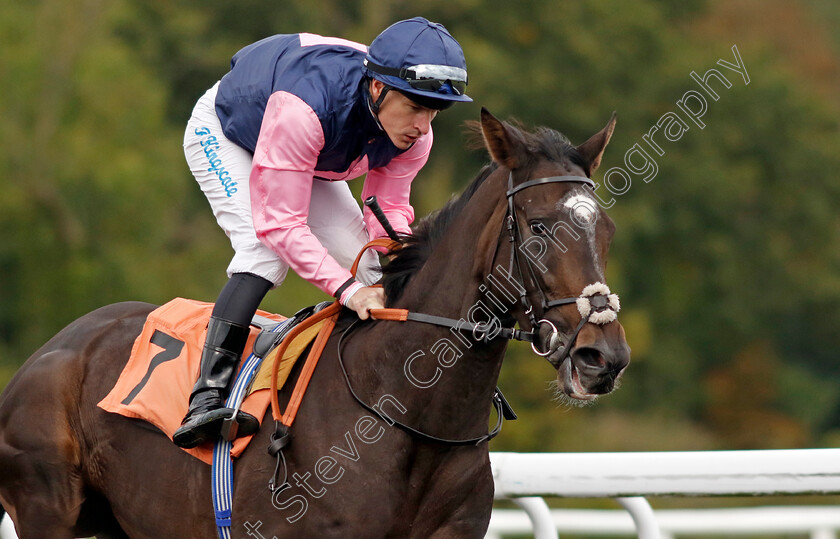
pixel 379 489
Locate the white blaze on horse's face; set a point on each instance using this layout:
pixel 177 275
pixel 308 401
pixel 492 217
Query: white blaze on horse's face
pixel 581 208
pixel 583 212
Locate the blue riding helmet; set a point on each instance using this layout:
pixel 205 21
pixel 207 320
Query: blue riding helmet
pixel 421 58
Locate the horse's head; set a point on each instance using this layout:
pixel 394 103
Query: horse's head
pixel 553 251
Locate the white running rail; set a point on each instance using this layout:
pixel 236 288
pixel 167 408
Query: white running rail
pixel 629 477
pixel 815 522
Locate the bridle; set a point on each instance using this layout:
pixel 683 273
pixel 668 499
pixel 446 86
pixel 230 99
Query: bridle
pixel 595 304
pixel 598 298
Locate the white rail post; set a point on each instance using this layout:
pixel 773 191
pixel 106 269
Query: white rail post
pixel 540 516
pixel 642 514
pixel 7 529
pixel 823 533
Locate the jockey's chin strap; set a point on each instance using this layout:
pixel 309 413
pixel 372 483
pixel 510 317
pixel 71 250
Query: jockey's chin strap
pixel 374 106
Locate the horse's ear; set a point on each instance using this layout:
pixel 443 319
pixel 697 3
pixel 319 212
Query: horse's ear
pixel 504 144
pixel 593 149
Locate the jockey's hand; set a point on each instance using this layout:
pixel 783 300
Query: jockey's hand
pixel 366 298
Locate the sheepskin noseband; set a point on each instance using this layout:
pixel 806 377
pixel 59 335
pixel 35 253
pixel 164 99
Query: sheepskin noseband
pixel 597 304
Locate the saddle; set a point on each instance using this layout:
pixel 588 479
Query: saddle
pixel 157 380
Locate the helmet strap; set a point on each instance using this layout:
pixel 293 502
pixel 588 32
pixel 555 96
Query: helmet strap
pixel 379 101
pixel 375 106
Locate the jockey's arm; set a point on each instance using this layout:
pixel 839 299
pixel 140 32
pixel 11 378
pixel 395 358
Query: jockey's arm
pixel 281 180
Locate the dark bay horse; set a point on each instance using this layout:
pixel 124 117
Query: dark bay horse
pixel 507 251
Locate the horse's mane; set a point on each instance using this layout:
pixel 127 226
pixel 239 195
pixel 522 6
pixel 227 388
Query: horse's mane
pixel 424 236
pixel 543 142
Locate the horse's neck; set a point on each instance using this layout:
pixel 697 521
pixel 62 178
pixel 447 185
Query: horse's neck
pixel 447 373
pixel 448 284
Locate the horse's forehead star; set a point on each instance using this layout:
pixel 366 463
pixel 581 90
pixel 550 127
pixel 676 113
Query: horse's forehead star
pixel 582 205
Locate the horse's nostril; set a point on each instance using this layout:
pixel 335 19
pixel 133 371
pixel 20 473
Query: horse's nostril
pixel 589 357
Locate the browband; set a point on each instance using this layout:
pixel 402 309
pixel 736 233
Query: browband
pixel 549 179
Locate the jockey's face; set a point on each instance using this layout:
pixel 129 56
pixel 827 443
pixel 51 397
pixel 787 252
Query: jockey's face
pixel 403 120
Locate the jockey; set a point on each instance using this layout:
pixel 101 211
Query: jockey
pixel 271 146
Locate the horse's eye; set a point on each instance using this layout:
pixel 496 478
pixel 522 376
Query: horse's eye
pixel 537 228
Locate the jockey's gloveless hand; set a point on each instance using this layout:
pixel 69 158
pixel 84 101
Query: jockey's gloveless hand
pixel 366 298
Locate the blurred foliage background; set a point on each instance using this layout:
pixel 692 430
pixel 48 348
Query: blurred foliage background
pixel 727 262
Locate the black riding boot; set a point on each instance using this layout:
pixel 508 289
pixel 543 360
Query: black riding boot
pixel 223 348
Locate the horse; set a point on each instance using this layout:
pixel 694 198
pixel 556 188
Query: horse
pixel 391 437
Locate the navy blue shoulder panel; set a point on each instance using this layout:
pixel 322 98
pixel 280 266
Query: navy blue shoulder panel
pixel 329 78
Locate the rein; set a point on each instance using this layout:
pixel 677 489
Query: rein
pixel 498 402
pixel 479 331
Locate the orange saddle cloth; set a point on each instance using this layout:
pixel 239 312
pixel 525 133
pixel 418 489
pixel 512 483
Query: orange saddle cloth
pixel 156 383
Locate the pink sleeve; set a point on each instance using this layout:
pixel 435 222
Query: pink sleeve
pixel 287 150
pixel 392 186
